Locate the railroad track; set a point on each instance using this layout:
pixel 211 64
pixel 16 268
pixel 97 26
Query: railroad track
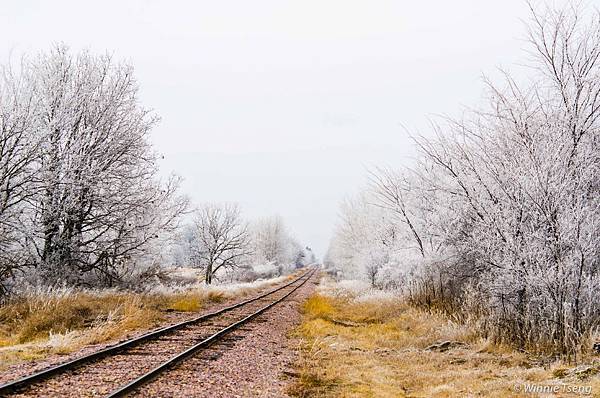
pixel 120 369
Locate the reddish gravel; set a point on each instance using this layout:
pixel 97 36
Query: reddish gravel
pixel 249 363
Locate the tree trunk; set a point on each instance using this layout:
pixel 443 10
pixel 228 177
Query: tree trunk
pixel 209 274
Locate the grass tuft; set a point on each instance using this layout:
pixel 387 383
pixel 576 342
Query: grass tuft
pixel 318 306
pixel 216 296
pixel 186 303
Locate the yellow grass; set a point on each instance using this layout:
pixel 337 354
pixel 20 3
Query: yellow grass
pixel 379 349
pixel 37 325
pixel 186 302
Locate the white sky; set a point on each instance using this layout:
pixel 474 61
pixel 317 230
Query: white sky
pixel 280 105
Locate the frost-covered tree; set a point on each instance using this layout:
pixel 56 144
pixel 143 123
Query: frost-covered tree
pixel 271 241
pixel 521 182
pixel 99 201
pixel 243 251
pixel 366 239
pixel 221 239
pixel 273 245
pixel 301 256
pixel 18 147
pixel 78 163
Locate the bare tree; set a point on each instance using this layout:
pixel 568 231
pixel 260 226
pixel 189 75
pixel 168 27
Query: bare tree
pixel 222 239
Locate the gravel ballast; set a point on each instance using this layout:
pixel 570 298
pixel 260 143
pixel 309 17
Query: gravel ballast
pixel 250 363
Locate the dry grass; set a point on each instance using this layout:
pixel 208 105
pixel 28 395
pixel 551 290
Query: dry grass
pixel 378 348
pixel 58 322
pixel 36 325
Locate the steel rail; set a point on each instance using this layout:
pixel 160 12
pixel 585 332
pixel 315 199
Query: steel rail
pixel 122 391
pixel 25 381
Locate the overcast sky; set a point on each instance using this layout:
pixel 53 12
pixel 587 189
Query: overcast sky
pixel 282 105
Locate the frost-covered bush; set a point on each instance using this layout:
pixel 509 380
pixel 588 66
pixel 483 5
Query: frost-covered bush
pixel 345 288
pixel 266 270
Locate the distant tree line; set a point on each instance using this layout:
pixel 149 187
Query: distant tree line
pixel 218 240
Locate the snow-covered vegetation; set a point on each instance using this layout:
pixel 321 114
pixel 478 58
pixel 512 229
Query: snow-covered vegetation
pixel 81 201
pixel 225 246
pixel 498 222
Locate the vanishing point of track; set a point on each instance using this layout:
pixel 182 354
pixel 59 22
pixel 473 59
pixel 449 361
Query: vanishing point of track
pixel 120 369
